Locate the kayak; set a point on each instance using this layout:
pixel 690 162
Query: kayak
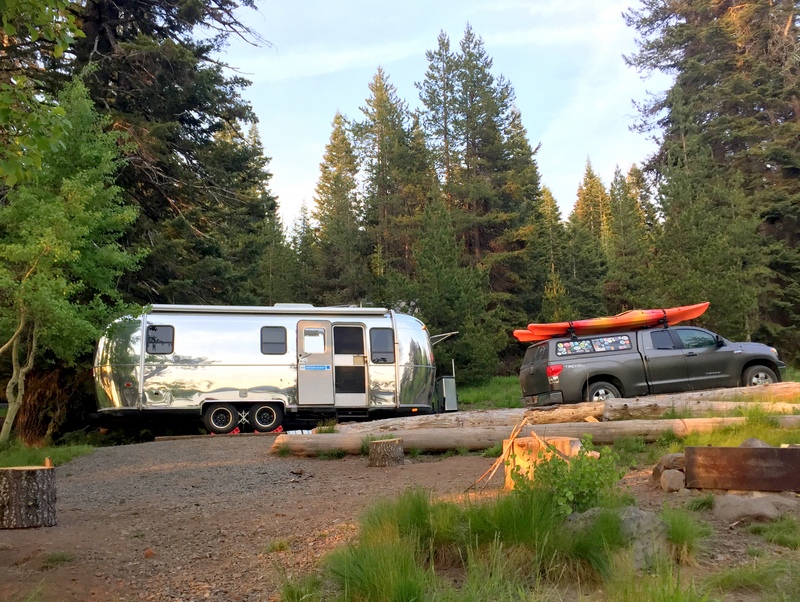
pixel 627 320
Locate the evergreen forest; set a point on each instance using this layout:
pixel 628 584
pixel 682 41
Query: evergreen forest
pixel 133 173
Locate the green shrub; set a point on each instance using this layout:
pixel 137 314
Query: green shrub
pixel 493 452
pixel 581 483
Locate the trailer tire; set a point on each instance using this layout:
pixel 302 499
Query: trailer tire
pixel 266 417
pixel 220 418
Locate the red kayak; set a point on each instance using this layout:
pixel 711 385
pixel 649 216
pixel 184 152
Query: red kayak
pixel 628 320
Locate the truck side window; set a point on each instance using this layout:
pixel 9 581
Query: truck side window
pixel 160 339
pixel 662 339
pixel 381 343
pixel 273 340
pixel 696 339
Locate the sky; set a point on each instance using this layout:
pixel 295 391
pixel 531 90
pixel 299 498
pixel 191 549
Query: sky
pixel 562 57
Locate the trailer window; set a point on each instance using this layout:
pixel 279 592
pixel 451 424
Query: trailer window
pixel 314 340
pixel 381 342
pixel 273 340
pixel 160 339
pixel 348 340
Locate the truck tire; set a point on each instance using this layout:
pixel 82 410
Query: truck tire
pixel 601 391
pixel 266 417
pixel 220 418
pixel 758 375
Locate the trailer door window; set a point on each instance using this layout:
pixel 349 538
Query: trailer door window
pixel 348 340
pixel 160 339
pixel 273 340
pixel 381 342
pixel 314 340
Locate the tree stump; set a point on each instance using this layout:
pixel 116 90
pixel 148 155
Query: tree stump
pixel 386 452
pixel 27 497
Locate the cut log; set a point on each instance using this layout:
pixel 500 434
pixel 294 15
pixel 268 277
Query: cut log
pixel 27 497
pixel 481 418
pixel 745 468
pixel 386 452
pixel 475 438
pixel 661 405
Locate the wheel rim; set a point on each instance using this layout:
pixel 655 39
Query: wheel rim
pixel 221 418
pixel 603 394
pixel 761 378
pixel 264 416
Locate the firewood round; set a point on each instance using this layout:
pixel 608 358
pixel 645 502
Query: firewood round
pixel 386 452
pixel 27 497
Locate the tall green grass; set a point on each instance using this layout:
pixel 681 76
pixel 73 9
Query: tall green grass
pixel 498 392
pixel 756 424
pixel 17 454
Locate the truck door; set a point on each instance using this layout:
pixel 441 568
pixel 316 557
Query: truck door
pixel 350 366
pixel 664 362
pixel 709 366
pixel 314 363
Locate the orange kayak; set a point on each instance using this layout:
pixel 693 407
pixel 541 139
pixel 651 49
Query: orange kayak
pixel 628 320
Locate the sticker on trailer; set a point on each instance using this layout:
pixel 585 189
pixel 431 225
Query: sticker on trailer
pixel 315 367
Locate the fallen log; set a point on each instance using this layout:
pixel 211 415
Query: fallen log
pixel 660 406
pixel 477 438
pixel 481 418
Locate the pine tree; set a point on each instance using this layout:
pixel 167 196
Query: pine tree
pixel 437 93
pixel 592 205
pixel 627 284
pixel 343 251
pixel 304 247
pixel 454 297
pixel 737 79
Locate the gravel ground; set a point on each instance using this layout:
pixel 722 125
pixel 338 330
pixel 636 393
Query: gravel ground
pixel 201 519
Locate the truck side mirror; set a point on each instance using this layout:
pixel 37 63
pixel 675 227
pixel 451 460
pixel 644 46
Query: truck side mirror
pixel 720 341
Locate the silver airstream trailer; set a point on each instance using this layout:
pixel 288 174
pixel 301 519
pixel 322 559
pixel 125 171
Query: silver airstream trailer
pixel 250 367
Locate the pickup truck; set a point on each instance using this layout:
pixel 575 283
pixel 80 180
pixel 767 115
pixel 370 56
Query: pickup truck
pixel 642 362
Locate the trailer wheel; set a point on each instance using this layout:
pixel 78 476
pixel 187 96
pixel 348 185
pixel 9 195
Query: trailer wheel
pixel 266 417
pixel 220 418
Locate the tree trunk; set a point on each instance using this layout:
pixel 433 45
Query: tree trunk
pixel 386 452
pixel 476 438
pixel 27 497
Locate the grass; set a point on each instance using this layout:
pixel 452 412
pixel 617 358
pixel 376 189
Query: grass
pixel 366 440
pixel 704 502
pixel 684 533
pixel 326 427
pixel 662 585
pixel 277 545
pixel 784 532
pixel 333 454
pixel 756 424
pixel 284 451
pixel 55 559
pixel 16 454
pixel 757 577
pixel 493 452
pixel 497 392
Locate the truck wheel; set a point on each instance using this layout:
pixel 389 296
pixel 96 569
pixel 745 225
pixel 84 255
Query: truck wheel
pixel 266 417
pixel 601 391
pixel 758 375
pixel 220 418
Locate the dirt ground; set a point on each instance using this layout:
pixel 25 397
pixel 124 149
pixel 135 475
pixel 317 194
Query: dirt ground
pixel 221 519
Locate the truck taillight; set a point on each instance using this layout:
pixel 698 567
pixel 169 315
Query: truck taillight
pixel 554 369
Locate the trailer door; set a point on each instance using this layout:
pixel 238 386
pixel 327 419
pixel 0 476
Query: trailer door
pixel 314 363
pixel 350 366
